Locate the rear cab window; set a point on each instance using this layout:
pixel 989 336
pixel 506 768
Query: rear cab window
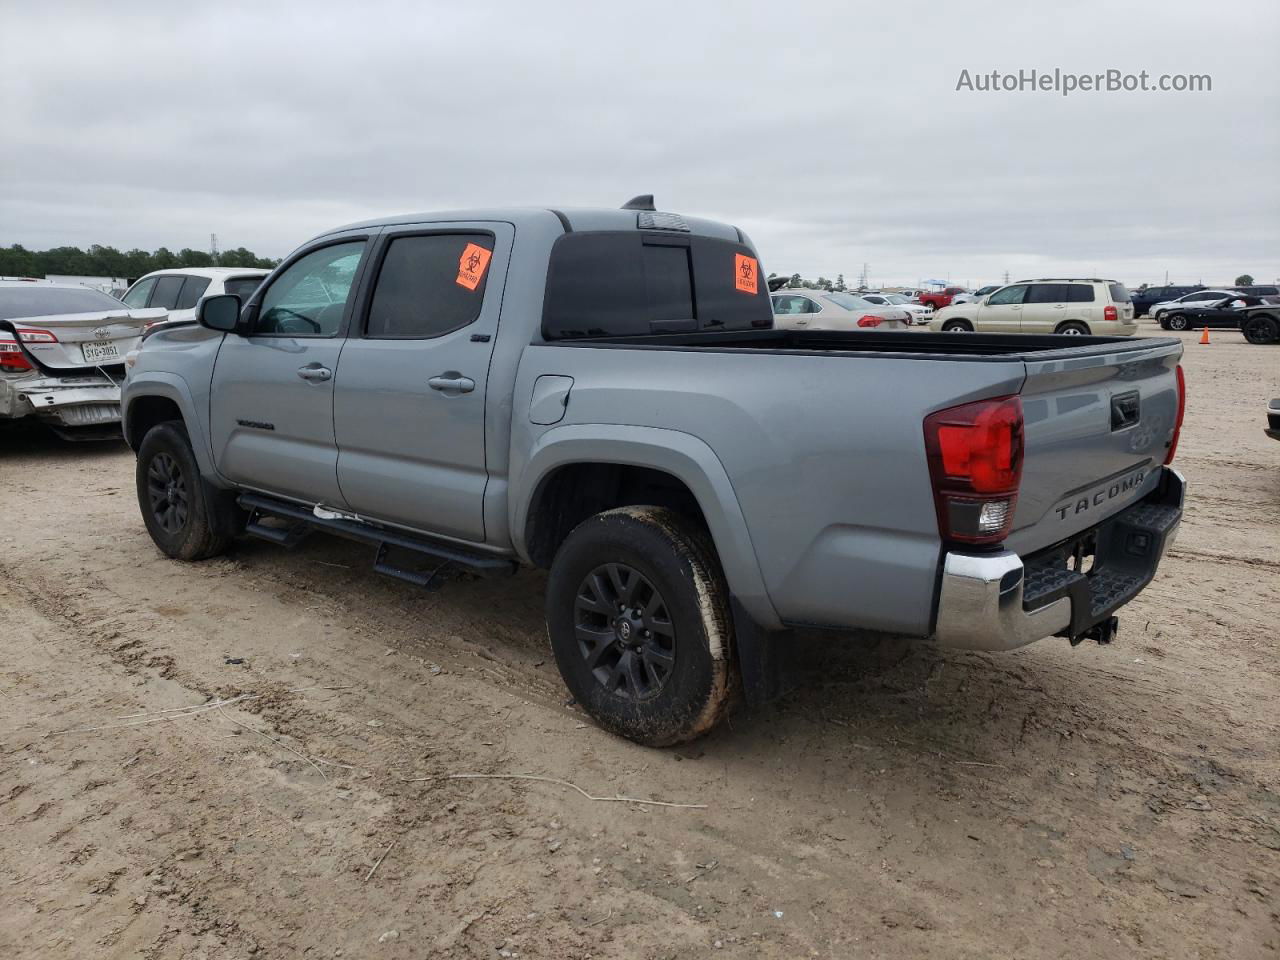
pixel 429 285
pixel 635 283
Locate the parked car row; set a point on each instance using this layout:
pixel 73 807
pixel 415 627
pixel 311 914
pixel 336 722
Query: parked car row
pixel 1149 299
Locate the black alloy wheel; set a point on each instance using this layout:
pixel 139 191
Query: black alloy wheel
pixel 624 630
pixel 167 490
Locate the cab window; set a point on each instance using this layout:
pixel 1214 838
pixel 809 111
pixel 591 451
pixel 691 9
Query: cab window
pixel 309 298
pixel 421 292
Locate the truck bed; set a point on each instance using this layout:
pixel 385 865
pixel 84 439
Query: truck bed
pixel 828 460
pixel 942 346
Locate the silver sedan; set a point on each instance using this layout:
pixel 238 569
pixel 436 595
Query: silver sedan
pixel 828 310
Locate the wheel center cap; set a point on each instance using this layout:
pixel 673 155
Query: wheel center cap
pixel 171 493
pixel 624 630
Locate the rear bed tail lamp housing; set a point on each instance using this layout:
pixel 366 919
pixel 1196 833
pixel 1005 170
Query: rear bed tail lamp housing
pixel 1182 409
pixel 1110 314
pixel 867 320
pixel 975 455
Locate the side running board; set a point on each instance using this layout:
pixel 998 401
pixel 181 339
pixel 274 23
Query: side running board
pixel 301 522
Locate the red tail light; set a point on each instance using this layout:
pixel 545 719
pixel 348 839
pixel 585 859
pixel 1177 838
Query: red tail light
pixel 1182 408
pixel 11 358
pixel 975 462
pixel 867 320
pixel 1110 314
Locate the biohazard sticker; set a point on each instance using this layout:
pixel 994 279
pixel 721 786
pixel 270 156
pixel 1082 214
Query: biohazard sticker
pixel 472 265
pixel 744 273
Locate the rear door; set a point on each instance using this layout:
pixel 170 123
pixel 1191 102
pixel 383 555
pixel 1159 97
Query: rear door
pixel 271 402
pixel 1081 305
pixel 409 406
pixel 1045 307
pixel 1002 313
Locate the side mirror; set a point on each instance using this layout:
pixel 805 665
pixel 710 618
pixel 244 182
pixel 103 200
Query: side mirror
pixel 220 312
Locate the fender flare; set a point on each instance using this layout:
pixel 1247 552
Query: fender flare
pixel 684 456
pixel 172 387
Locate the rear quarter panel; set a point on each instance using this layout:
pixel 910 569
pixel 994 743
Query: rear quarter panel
pixel 825 455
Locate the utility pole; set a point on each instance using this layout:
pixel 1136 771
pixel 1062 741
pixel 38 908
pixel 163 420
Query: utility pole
pixel 862 280
pixel 1006 278
pixel 213 248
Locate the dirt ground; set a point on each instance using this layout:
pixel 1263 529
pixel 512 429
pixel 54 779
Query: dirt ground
pixel 898 802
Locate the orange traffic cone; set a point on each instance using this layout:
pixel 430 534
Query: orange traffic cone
pixel 1204 337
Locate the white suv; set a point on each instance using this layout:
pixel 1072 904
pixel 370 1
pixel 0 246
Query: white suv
pixel 179 290
pixel 1049 305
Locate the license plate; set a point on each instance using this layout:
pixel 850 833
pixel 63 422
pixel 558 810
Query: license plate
pixel 97 351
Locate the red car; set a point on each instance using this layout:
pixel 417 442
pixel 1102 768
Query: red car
pixel 940 298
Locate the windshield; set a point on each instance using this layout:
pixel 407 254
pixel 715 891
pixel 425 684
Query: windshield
pixel 848 301
pixel 48 301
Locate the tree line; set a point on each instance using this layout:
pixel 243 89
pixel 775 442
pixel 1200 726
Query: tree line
pixel 100 261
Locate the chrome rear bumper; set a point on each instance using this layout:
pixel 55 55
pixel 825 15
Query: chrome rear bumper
pixel 984 604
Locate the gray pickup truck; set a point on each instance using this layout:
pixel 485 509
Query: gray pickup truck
pixel 603 393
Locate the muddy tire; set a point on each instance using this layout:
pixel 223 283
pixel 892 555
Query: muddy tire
pixel 638 614
pixel 172 498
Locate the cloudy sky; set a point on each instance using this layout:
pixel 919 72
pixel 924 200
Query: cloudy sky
pixel 833 133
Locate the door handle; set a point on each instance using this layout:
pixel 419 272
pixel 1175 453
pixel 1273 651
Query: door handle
pixel 315 373
pixel 452 383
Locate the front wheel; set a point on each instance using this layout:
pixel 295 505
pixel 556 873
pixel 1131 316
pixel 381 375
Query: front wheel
pixel 638 614
pixel 957 326
pixel 171 496
pixel 1261 330
pixel 1178 321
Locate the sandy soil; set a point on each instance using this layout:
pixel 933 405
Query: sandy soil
pixel 899 801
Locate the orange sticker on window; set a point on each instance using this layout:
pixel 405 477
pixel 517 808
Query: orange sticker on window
pixel 472 265
pixel 744 273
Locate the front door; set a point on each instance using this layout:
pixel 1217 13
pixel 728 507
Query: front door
pixel 271 401
pixel 409 403
pixel 1002 313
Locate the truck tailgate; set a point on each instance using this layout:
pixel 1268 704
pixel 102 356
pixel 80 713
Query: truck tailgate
pixel 1097 427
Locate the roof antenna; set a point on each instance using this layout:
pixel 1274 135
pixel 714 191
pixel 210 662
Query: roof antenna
pixel 642 202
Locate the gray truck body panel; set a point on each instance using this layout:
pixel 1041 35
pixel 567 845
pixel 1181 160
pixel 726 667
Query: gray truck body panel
pixel 809 465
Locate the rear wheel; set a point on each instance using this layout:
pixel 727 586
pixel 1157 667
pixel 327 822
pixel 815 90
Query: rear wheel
pixel 1178 321
pixel 638 614
pixel 1073 328
pixel 171 495
pixel 957 326
pixel 1264 329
